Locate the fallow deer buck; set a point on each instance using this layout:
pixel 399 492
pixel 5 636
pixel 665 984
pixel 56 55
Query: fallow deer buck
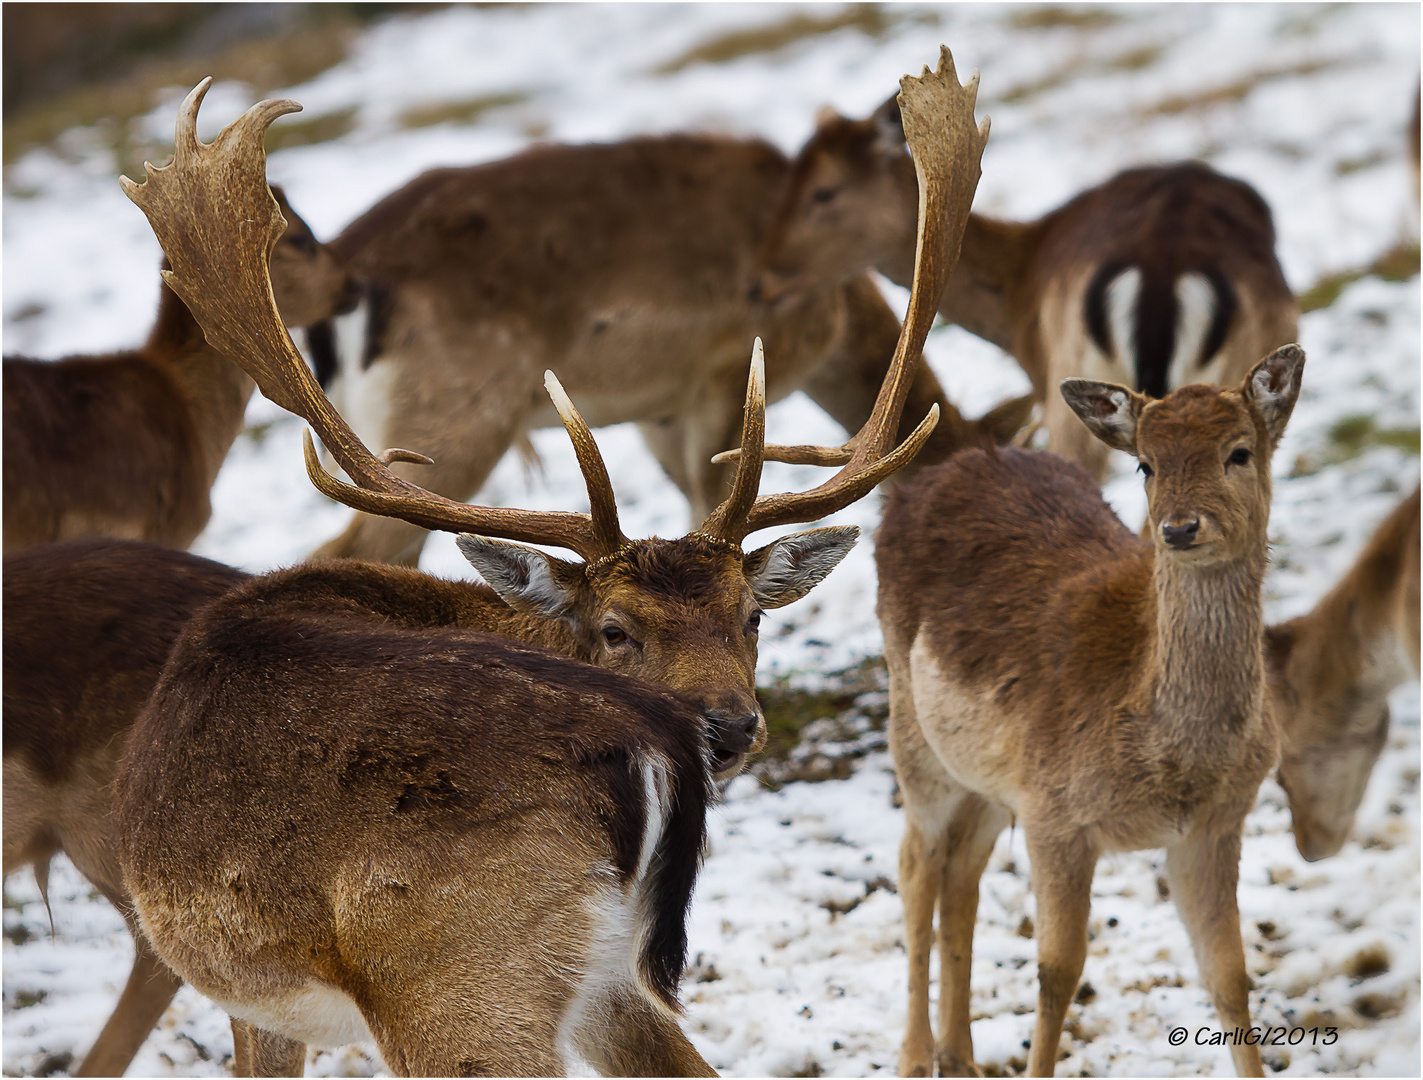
pixel 1331 672
pixel 1106 692
pixel 128 444
pixel 682 613
pixel 625 268
pixel 88 626
pixel 1159 277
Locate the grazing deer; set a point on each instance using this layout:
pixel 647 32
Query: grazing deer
pixel 128 444
pixel 1106 692
pixel 682 613
pixel 623 267
pixel 1331 672
pixel 88 626
pixel 1156 278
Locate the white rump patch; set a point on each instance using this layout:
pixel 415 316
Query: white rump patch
pixel 1195 311
pixel 1122 296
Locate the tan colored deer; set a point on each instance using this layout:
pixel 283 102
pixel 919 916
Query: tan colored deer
pixel 129 444
pixel 682 613
pixel 1107 692
pixel 625 268
pixel 1158 277
pixel 1331 672
pixel 74 685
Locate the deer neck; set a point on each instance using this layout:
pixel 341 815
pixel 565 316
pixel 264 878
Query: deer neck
pixel 1209 656
pixel 485 611
pixel 214 389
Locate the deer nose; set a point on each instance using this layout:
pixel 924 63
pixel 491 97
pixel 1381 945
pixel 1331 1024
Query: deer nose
pixel 1180 537
pixel 733 734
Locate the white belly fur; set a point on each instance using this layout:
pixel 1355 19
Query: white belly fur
pixel 316 1014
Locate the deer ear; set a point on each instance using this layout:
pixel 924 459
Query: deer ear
pixel 786 569
pixel 526 579
pixel 888 127
pixel 1109 411
pixel 1273 388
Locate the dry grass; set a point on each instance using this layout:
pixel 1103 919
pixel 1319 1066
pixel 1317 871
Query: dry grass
pixel 873 20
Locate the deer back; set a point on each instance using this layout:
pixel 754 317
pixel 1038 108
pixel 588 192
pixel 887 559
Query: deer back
pixel 88 625
pixel 1331 672
pixel 347 786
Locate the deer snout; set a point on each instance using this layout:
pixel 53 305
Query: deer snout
pixel 733 731
pixel 1180 535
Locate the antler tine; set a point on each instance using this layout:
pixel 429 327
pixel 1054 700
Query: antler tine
pixel 725 521
pixel 601 501
pixel 217 222
pixel 946 145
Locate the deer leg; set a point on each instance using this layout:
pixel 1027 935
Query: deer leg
pixel 464 414
pixel 973 830
pixel 684 444
pixel 636 1037
pixel 948 836
pixel 1203 870
pixel 1062 884
pixel 150 987
pixel 257 1052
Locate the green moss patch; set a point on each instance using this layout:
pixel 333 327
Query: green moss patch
pixel 1398 263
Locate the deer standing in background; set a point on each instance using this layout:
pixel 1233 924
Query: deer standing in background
pixel 88 626
pixel 128 444
pixel 1157 278
pixel 1106 692
pixel 1331 672
pixel 623 267
pixel 682 613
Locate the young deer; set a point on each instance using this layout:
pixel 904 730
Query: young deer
pixel 1331 672
pixel 1156 278
pixel 623 267
pixel 682 613
pixel 129 444
pixel 88 626
pixel 1106 692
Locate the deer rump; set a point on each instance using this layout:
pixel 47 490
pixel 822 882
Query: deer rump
pixel 397 814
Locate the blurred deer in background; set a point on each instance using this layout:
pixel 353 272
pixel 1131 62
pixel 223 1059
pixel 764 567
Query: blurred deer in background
pixel 683 613
pixel 1331 672
pixel 623 267
pixel 88 626
pixel 128 444
pixel 1158 277
pixel 1106 692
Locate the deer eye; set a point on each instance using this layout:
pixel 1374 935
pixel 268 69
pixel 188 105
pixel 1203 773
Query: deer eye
pixel 614 635
pixel 1145 469
pixel 753 624
pixel 1239 456
pixel 822 195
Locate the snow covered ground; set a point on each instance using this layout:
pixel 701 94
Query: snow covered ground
pixel 796 928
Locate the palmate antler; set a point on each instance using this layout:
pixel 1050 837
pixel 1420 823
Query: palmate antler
pixel 216 220
pixel 947 146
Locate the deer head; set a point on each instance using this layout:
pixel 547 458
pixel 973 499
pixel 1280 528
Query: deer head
pixel 846 203
pixel 681 612
pixel 1205 453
